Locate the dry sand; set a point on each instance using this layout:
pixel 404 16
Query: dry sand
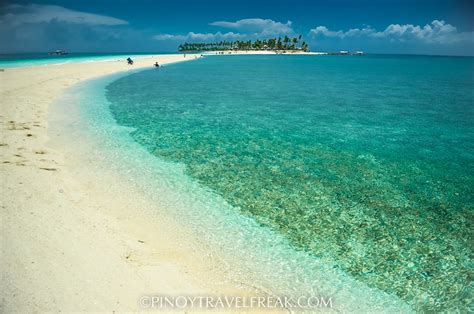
pixel 69 243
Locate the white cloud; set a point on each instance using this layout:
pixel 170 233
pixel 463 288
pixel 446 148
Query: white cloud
pixel 248 28
pixel 436 32
pixel 353 32
pixel 35 13
pixel 323 30
pixel 262 27
pixel 191 36
pixel 169 37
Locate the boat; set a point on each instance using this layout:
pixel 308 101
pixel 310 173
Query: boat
pixel 58 52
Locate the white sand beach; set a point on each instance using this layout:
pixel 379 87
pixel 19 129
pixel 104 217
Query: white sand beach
pixel 69 242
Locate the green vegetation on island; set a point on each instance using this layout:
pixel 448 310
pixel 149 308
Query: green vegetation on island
pixel 286 43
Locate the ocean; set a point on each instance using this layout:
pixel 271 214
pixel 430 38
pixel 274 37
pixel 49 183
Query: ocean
pixel 324 173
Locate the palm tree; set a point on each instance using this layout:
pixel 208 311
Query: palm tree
pixel 278 44
pixel 258 44
pixel 304 46
pixel 286 40
pixel 271 43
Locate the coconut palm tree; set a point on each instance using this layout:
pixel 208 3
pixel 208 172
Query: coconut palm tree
pixel 285 41
pixel 258 44
pixel 304 46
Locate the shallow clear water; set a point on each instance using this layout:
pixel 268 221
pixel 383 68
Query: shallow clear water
pixel 363 162
pixel 245 253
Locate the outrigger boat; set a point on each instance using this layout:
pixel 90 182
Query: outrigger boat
pixel 57 52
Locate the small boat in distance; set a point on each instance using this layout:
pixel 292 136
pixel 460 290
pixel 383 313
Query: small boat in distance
pixel 57 52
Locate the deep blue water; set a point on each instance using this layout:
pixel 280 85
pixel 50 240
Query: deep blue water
pixel 367 162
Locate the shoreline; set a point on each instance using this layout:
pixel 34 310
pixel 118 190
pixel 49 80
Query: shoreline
pixel 64 245
pixel 262 52
pixel 73 59
pixel 74 225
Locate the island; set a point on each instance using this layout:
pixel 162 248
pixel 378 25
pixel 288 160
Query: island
pixel 276 44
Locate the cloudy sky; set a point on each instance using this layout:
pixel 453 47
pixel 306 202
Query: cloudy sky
pixel 376 26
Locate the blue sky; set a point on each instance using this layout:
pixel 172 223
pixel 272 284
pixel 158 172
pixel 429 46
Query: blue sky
pixel 383 26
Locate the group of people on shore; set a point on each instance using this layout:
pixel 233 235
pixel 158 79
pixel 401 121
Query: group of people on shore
pixel 156 64
pixel 130 62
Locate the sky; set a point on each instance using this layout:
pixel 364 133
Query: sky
pixel 436 27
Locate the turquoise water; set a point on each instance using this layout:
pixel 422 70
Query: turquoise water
pixel 363 162
pixel 40 59
pixel 236 246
